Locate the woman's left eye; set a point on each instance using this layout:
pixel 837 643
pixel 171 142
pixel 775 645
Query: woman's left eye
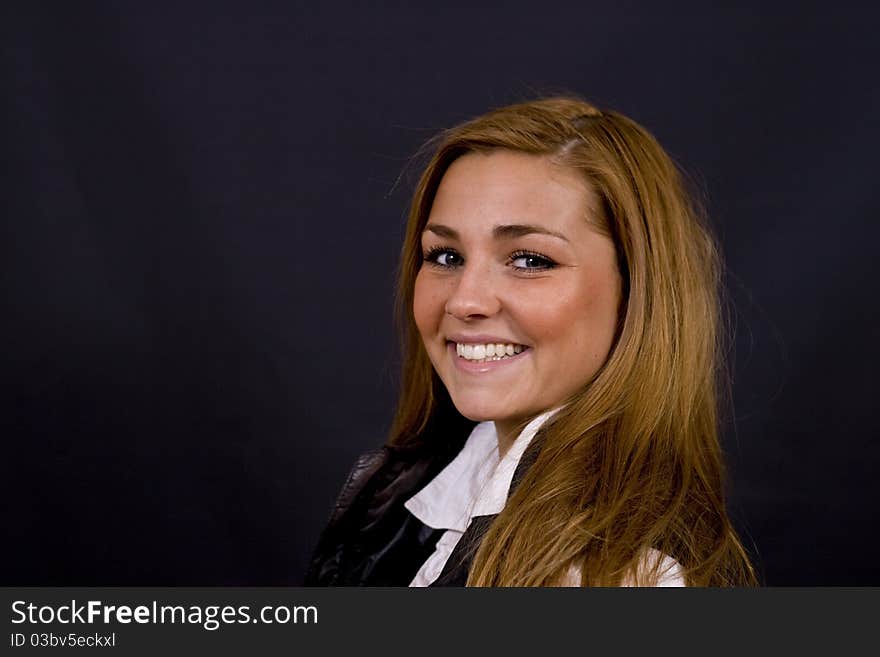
pixel 531 262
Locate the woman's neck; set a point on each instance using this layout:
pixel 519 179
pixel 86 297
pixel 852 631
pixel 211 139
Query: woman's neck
pixel 508 431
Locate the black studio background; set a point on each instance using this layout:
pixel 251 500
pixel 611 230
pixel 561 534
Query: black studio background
pixel 201 219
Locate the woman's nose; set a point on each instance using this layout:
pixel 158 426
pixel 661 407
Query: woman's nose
pixel 474 294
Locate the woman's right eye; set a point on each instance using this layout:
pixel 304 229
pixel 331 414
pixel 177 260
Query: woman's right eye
pixel 442 257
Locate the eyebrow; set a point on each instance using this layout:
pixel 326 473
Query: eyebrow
pixel 504 231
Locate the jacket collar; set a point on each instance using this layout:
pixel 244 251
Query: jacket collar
pixel 476 482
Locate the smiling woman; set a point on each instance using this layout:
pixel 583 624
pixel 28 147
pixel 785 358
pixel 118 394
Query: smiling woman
pixel 515 256
pixel 557 422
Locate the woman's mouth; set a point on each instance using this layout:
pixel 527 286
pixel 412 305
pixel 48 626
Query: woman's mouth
pixel 477 358
pixel 488 351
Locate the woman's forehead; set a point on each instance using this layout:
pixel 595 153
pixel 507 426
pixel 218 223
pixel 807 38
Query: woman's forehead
pixel 508 188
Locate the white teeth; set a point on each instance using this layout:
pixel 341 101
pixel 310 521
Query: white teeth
pixel 493 351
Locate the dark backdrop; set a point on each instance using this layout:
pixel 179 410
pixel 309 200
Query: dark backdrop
pixel 201 220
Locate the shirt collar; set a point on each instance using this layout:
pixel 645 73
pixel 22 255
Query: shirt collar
pixel 476 482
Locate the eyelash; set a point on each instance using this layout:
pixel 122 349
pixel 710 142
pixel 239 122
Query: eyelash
pixel 430 257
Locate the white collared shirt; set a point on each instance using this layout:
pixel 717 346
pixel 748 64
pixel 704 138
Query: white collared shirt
pixel 477 483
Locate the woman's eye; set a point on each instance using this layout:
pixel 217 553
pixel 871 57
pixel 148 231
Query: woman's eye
pixel 443 258
pixel 531 261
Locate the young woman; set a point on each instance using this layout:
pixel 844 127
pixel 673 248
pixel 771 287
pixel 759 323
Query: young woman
pixel 557 422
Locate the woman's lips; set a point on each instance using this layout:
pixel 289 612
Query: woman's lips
pixel 480 367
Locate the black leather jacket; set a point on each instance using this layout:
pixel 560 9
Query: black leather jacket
pixel 371 539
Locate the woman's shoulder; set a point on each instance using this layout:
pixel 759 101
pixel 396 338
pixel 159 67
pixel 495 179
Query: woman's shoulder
pixel 669 572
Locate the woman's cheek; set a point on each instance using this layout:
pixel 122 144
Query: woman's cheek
pixel 427 304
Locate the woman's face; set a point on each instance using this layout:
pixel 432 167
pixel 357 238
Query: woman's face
pixel 518 295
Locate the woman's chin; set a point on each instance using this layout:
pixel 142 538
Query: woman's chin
pixel 481 410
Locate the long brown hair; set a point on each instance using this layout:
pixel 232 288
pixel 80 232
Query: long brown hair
pixel 632 462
